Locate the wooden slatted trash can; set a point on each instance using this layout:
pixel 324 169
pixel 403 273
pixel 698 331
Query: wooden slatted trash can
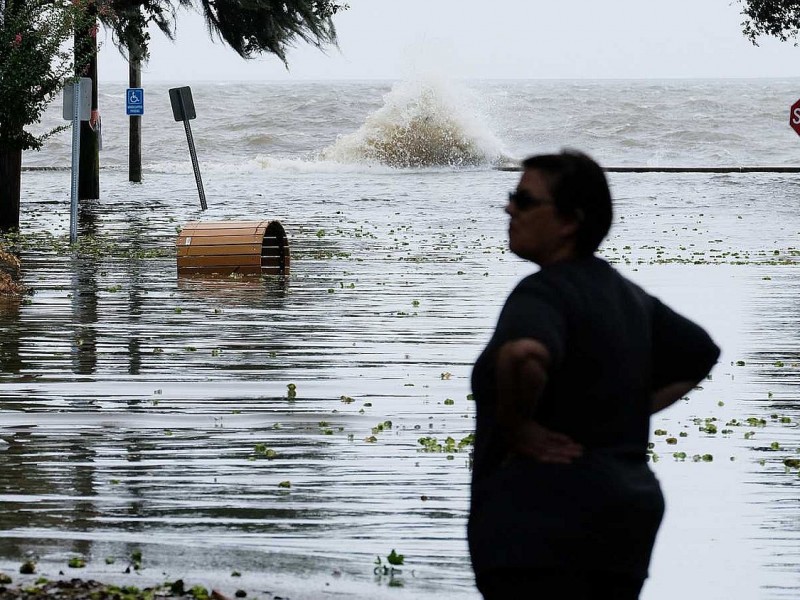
pixel 233 247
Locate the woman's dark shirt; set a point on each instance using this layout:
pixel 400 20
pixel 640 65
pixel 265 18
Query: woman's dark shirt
pixel 611 346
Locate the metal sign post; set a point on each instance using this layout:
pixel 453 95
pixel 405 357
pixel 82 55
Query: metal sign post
pixel 183 110
pixel 77 107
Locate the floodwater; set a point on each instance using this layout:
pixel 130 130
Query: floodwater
pixel 142 412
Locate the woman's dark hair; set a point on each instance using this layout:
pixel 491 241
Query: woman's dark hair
pixel 580 190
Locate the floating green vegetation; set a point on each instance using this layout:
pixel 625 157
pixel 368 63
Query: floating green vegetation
pixel 446 375
pixel 393 560
pixel 431 444
pixel 792 463
pixel 262 451
pixel 291 391
pixel 449 402
pixel 319 254
pixel 93 590
pixel 660 432
pixel 93 246
pixel 5 579
pixel 198 592
pixel 671 440
pixel 285 484
pixel 76 562
pixel 470 397
pixel 28 567
pixel 136 560
pixel 381 427
pixel 346 399
pixel 781 419
pixel 702 458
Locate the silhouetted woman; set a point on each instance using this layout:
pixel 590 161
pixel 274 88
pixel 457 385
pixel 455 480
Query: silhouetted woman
pixel 564 505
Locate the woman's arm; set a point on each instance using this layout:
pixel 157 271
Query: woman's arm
pixel 669 394
pixel 683 354
pixel 521 377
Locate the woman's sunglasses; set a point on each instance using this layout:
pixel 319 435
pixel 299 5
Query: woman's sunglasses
pixel 524 201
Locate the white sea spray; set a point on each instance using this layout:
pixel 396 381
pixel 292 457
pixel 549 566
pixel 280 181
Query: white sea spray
pixel 422 123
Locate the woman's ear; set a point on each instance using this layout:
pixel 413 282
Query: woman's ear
pixel 571 223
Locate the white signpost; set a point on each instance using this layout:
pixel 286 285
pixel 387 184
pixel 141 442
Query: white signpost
pixel 77 107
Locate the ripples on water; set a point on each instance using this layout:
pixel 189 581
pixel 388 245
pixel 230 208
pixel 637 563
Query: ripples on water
pixel 136 408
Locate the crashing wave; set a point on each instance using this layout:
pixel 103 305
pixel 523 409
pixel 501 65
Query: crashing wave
pixel 421 124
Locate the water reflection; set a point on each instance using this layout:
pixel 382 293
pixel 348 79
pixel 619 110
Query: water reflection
pixel 10 362
pixel 135 235
pixel 775 362
pixel 84 316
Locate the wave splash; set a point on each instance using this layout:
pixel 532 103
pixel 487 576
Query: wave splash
pixel 421 124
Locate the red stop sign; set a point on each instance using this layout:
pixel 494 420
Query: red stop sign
pixel 794 117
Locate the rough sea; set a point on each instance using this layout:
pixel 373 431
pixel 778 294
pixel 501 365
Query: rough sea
pixel 143 412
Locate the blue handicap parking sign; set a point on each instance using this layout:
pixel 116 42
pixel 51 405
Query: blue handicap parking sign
pixel 134 101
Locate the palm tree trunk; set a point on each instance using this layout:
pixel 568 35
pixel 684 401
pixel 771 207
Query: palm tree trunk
pixel 10 176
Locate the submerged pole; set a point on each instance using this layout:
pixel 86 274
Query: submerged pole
pixel 183 110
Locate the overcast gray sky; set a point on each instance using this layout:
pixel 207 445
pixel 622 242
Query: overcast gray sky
pixel 472 39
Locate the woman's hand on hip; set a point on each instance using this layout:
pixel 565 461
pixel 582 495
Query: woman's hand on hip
pixel 532 440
